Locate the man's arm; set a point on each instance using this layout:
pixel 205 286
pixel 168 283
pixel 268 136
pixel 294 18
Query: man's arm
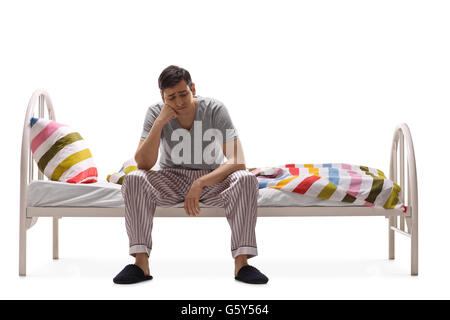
pixel 235 155
pixel 147 151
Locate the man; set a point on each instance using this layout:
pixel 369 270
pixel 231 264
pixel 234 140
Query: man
pixel 192 170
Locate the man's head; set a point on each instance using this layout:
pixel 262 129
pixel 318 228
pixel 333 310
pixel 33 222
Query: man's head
pixel 177 88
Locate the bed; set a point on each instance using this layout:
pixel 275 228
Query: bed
pixel 43 198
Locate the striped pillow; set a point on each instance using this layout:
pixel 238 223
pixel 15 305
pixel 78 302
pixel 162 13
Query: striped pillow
pixel 61 153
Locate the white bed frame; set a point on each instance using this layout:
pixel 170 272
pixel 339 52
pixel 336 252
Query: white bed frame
pixel 408 221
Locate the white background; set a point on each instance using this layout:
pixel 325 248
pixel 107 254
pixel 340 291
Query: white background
pixel 304 82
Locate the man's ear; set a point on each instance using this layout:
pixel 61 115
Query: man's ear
pixel 193 88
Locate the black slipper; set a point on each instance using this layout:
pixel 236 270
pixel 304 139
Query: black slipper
pixel 250 274
pixel 131 274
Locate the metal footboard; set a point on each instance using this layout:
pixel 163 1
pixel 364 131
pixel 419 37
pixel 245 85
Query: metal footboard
pixel 408 224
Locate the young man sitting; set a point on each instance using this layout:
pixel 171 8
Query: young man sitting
pixel 192 170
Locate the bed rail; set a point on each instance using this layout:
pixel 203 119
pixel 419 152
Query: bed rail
pixel 408 223
pixel 27 167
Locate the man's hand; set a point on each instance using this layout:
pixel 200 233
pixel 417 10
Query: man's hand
pixel 191 201
pixel 167 113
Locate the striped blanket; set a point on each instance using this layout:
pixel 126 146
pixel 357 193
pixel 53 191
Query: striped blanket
pixel 127 167
pixel 358 185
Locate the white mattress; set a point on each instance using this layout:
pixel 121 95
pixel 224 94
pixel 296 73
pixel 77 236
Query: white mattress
pixel 45 193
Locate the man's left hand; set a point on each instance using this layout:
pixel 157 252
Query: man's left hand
pixel 191 201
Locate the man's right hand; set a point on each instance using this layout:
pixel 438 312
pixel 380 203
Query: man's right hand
pixel 167 113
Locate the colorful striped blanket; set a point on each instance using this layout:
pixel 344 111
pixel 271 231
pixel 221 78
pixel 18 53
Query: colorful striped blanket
pixel 358 185
pixel 127 167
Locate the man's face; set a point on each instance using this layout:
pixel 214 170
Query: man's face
pixel 180 97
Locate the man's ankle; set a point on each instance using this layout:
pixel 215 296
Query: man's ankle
pixel 239 262
pixel 142 262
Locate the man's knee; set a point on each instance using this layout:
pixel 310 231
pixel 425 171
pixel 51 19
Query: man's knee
pixel 134 177
pixel 247 179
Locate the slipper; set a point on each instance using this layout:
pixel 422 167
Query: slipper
pixel 131 274
pixel 250 274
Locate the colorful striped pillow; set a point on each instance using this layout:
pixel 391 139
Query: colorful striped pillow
pixel 61 153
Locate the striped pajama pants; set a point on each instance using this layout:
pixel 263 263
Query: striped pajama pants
pixel 144 190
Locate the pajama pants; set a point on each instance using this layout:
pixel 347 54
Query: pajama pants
pixel 144 190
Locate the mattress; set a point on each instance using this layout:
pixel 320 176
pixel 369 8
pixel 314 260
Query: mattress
pixel 44 193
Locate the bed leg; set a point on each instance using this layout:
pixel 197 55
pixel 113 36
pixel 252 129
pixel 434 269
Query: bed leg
pixel 392 223
pixel 55 239
pixel 414 250
pixel 22 248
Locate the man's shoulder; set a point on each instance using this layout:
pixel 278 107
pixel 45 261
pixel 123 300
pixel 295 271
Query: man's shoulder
pixel 155 109
pixel 212 103
pixel 156 106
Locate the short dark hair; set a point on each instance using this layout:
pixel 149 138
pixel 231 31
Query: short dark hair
pixel 173 75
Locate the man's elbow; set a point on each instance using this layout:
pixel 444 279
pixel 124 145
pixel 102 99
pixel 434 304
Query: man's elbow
pixel 144 167
pixel 238 166
pixel 142 164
